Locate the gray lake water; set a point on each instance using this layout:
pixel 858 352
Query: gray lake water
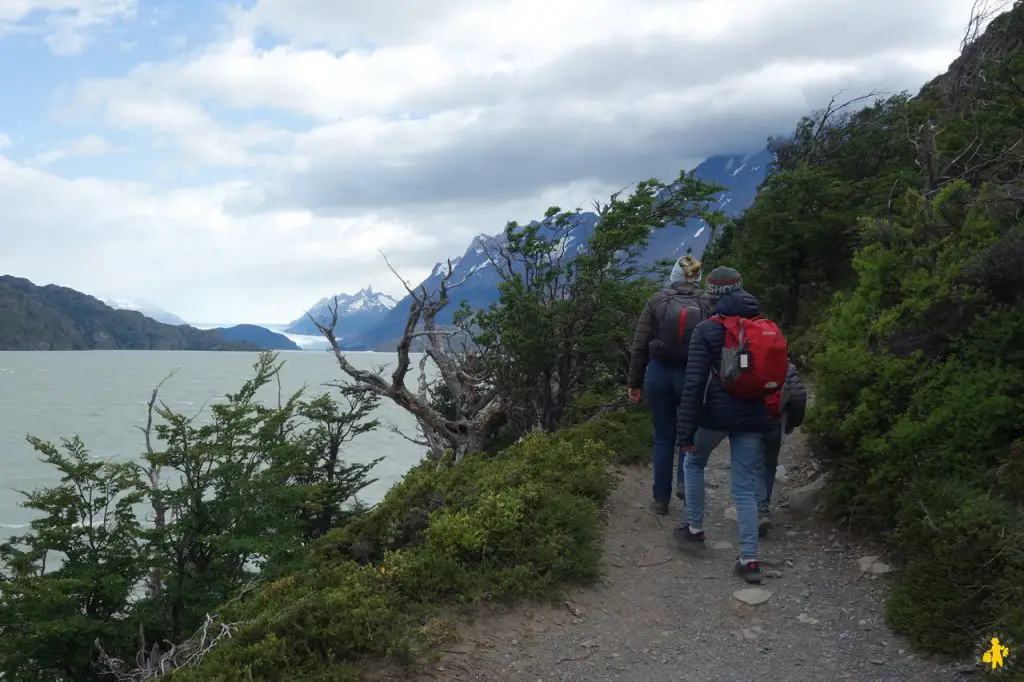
pixel 101 396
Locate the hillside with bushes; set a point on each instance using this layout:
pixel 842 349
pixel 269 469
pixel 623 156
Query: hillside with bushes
pixel 890 242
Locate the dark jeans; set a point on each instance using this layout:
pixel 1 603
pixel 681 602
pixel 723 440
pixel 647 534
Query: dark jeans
pixel 772 446
pixel 663 384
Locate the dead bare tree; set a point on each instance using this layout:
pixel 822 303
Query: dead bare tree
pixel 477 406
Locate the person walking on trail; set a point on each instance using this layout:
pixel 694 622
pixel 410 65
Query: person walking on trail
pixel 735 371
pixel 793 406
pixel 658 365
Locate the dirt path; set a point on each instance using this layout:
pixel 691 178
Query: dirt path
pixel 661 615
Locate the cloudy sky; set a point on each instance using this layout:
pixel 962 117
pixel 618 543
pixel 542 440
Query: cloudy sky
pixel 238 162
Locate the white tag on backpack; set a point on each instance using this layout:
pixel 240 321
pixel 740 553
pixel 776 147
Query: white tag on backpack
pixel 744 361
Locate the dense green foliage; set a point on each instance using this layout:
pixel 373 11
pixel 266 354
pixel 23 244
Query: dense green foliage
pixel 891 242
pixel 251 488
pixel 522 522
pixel 57 318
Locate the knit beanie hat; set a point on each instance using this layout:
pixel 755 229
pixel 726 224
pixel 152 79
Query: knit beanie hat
pixel 723 280
pixel 686 269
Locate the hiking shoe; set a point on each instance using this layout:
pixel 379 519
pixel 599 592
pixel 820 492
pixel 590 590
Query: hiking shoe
pixel 764 524
pixel 683 534
pixel 749 572
pixel 681 491
pixel 660 507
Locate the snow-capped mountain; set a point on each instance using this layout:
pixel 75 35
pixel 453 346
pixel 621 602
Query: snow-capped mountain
pixel 357 313
pixel 147 308
pixel 741 175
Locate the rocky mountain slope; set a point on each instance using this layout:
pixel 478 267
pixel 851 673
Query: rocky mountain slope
pixel 357 313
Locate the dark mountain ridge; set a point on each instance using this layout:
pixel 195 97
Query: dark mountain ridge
pixel 53 317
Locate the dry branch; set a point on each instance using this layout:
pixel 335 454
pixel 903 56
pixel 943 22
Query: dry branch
pixel 465 433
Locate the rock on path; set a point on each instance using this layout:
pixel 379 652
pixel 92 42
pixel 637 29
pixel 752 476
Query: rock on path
pixel 663 616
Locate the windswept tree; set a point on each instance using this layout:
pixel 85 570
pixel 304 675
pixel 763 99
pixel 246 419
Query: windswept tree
pixel 566 315
pixel 563 317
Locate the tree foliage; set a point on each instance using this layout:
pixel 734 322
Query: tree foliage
pixel 235 499
pixel 565 318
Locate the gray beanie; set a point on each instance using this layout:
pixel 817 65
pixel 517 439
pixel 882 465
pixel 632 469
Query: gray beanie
pixel 723 280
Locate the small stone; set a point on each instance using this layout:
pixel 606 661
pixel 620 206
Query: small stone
pixel 872 565
pixel 730 514
pixel 781 475
pixel 588 644
pixel 805 593
pixel 722 545
pixel 771 573
pixel 749 634
pixel 806 619
pixel 808 498
pixel 752 596
pixel 877 661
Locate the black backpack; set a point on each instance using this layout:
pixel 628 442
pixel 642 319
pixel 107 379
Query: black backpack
pixel 675 317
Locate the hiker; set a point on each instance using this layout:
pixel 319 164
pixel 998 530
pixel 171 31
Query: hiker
pixel 735 371
pixel 792 407
pixel 657 366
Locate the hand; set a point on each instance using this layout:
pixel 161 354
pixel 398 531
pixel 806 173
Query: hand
pixel 634 395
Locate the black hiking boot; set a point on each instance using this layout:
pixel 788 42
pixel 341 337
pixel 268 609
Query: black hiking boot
pixel 686 538
pixel 660 507
pixel 681 491
pixel 750 572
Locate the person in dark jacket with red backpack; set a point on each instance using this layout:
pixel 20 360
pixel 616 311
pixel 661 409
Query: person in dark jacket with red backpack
pixel 717 402
pixel 658 365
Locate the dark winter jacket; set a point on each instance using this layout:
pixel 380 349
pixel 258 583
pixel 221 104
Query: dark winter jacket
pixel 794 400
pixel 646 326
pixel 704 401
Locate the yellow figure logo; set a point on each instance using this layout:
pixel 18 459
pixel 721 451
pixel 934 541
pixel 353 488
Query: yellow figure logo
pixel 996 654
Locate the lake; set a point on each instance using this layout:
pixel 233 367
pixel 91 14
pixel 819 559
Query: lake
pixel 101 396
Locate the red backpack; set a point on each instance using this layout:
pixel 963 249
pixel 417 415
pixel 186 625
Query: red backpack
pixel 755 359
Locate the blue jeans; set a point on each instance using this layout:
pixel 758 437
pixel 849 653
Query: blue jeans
pixel 747 481
pixel 663 384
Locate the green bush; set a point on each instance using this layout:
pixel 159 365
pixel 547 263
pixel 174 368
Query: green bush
pixel 628 434
pixel 523 522
pixel 918 415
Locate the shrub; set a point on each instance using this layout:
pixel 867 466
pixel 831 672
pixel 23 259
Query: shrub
pixel 520 523
pixel 917 416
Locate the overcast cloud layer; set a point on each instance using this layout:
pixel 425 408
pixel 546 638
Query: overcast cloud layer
pixel 237 165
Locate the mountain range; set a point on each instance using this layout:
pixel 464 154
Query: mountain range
pixel 375 323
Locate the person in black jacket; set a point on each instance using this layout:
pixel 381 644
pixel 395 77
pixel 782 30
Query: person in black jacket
pixel 793 407
pixel 708 414
pixel 657 371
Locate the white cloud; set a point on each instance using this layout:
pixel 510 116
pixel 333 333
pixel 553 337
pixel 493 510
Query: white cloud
pixel 351 126
pixel 90 145
pixel 66 24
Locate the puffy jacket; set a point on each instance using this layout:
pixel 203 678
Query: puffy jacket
pixel 705 402
pixel 794 397
pixel 646 326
